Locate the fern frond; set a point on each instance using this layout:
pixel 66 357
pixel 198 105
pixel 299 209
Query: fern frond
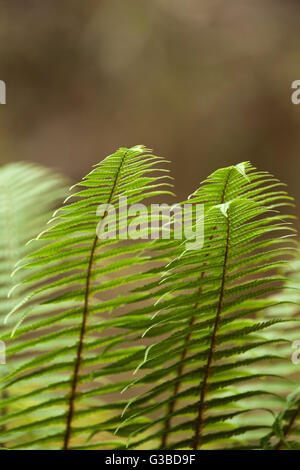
pixel 198 369
pixel 70 354
pixel 284 428
pixel 28 194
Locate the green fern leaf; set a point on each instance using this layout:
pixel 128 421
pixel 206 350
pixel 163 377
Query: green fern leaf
pixel 69 275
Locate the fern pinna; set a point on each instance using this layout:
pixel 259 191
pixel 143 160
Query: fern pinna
pixel 65 276
pixel 206 376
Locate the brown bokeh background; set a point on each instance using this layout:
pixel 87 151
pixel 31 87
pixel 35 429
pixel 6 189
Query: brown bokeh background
pixel 205 83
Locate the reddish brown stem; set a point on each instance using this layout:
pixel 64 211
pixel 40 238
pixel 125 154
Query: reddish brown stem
pixel 288 428
pixel 204 384
pixel 186 340
pixel 74 382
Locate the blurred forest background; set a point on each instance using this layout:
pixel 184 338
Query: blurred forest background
pixel 206 83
